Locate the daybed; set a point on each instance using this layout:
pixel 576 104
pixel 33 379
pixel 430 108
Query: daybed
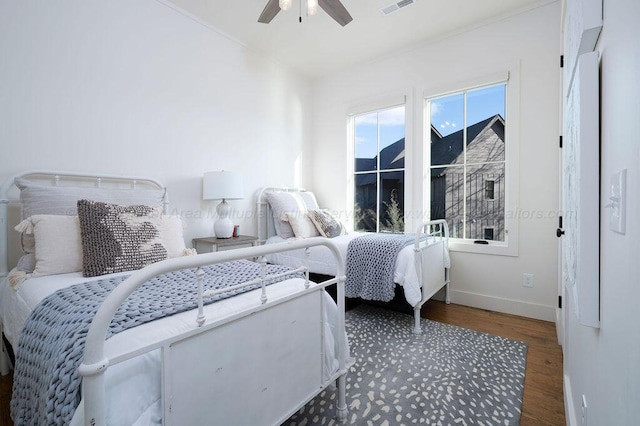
pixel 421 268
pixel 255 357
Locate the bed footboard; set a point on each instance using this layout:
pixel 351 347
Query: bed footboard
pixel 432 260
pixel 258 366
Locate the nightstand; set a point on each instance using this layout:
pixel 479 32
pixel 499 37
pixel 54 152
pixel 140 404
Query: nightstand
pixel 209 244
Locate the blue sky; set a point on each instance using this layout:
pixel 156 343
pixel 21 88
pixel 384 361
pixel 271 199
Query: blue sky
pixel 446 116
pixel 447 111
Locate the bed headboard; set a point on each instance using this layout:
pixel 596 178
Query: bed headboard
pixel 9 195
pixel 264 215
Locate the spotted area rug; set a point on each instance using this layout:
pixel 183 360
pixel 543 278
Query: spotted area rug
pixel 446 376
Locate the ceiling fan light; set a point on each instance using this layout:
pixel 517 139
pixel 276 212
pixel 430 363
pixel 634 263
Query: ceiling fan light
pixel 312 7
pixel 285 4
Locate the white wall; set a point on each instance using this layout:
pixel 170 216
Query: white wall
pixel 602 364
pixel 123 87
pixel 531 41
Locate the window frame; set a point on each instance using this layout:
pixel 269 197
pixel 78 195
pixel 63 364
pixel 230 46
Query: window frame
pixel 374 105
pixel 511 77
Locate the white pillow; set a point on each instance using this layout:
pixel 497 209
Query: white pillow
pixel 289 202
pixel 40 199
pixel 171 236
pixel 302 226
pixel 58 244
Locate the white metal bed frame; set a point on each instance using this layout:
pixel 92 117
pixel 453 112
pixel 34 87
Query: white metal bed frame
pixel 55 178
pixel 429 258
pixel 196 381
pixel 190 392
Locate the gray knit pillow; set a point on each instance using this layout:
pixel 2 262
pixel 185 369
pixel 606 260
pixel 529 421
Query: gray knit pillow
pixel 325 223
pixel 118 238
pixel 38 198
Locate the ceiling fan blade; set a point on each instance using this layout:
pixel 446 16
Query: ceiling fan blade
pixel 336 10
pixel 270 11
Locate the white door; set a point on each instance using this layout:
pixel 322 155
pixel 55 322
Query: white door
pixel 580 228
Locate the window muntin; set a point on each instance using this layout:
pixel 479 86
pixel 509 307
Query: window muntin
pixel 467 130
pixel 379 169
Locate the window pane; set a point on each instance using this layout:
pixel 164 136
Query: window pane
pixel 447 121
pixel 447 198
pixel 484 213
pixel 391 138
pixel 366 193
pixel 485 124
pixel 366 142
pixel 392 202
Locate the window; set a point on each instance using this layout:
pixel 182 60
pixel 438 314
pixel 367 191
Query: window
pixel 488 233
pixel 468 161
pixel 379 169
pixel 489 186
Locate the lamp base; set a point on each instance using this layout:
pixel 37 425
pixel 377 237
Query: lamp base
pixel 223 227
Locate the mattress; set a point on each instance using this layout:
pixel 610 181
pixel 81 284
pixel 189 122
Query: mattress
pixel 321 261
pixel 140 376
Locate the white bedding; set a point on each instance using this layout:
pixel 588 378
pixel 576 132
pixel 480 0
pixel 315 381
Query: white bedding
pixel 321 261
pixel 140 377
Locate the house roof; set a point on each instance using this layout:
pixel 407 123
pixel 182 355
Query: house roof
pixel 445 150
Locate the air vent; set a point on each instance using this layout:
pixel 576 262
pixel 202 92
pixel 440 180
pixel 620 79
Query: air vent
pixel 395 6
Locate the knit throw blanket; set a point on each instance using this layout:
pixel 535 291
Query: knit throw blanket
pixel 46 383
pixel 371 261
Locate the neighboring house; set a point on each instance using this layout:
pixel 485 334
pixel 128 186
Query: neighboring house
pixel 485 170
pixel 484 174
pixel 392 184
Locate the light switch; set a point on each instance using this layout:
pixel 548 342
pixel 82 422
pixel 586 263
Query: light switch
pixel 618 202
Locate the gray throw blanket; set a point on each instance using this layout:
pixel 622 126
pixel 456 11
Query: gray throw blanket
pixel 46 384
pixel 371 261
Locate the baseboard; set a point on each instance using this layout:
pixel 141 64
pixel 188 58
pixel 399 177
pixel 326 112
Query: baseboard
pixel 507 306
pixel 569 409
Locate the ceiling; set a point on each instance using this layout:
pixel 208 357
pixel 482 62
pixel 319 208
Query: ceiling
pixel 319 46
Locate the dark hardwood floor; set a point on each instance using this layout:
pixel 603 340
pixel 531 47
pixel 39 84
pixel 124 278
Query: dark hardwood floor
pixel 543 402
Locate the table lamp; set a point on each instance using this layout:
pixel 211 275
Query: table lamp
pixel 222 185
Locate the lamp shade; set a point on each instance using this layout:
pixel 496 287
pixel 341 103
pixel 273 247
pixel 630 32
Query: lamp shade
pixel 222 185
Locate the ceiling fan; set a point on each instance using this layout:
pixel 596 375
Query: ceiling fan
pixel 334 8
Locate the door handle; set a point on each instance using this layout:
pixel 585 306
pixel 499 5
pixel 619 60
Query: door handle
pixel 559 232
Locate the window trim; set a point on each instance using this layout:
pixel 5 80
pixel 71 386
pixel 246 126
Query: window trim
pixel 511 76
pixel 403 97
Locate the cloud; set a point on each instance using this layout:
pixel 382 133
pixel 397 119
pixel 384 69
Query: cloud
pixel 360 140
pixel 392 117
pixel 447 125
pixel 389 117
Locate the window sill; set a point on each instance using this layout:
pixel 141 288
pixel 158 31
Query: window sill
pixel 493 248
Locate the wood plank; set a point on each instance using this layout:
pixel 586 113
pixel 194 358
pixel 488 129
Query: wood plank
pixel 543 401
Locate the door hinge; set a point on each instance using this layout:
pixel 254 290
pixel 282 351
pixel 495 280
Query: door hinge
pixel 560 141
pixel 561 61
pixel 559 231
pixel 559 302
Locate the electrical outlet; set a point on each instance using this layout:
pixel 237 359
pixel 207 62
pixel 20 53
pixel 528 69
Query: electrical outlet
pixel 527 280
pixel 584 410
